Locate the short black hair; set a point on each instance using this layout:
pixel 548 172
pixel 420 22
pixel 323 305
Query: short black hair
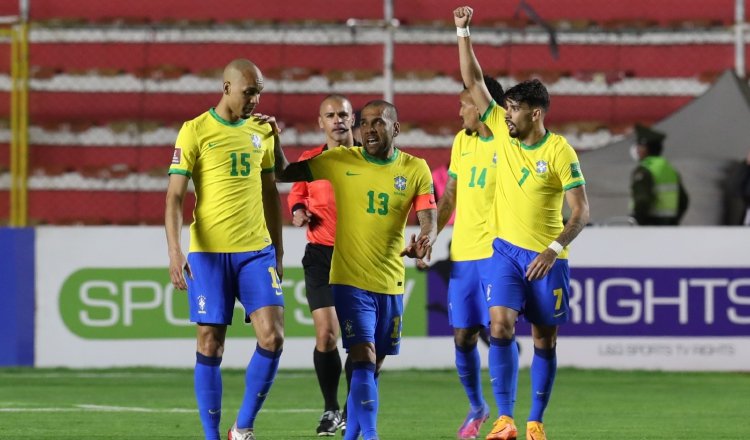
pixel 532 92
pixel 496 90
pixel 389 110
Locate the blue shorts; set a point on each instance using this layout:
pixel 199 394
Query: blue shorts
pixel 369 317
pixel 543 302
pixel 219 278
pixel 467 307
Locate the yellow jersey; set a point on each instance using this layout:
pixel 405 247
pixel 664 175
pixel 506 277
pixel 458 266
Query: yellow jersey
pixel 474 166
pixel 531 185
pixel 225 161
pixel 374 198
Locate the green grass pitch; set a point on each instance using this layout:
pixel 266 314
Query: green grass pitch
pixel 158 404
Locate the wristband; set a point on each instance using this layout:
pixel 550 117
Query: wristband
pixel 555 246
pixel 463 32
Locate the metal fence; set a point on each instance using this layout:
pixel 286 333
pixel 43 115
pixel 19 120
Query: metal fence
pixel 110 84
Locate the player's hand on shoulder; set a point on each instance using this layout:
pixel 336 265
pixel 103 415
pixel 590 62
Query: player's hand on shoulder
pixel 462 16
pixel 541 265
pixel 268 119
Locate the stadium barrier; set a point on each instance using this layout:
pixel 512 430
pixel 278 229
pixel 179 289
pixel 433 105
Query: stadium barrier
pixel 641 298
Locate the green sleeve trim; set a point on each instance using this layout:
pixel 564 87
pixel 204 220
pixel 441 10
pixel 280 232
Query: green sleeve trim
pixel 452 174
pixel 267 170
pixel 538 144
pixel 178 171
pixel 375 160
pixel 488 111
pixel 574 184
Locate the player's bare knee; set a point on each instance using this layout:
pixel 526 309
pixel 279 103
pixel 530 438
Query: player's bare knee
pixel 211 347
pixel 544 336
pixel 502 329
pixel 326 343
pixel 466 337
pixel 363 352
pixel 210 340
pixel 271 341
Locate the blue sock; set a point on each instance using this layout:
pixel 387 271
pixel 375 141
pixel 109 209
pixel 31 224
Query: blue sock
pixel 364 398
pixel 543 370
pixel 504 373
pixel 259 377
pixel 352 424
pixel 468 364
pixel 208 393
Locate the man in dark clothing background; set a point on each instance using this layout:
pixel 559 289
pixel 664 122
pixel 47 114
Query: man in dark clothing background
pixel 657 197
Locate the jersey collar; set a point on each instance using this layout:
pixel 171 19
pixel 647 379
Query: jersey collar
pixel 223 121
pixel 375 160
pixel 536 145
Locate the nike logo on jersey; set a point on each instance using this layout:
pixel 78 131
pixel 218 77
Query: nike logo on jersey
pixel 349 173
pixel 557 315
pixel 466 154
pixel 212 144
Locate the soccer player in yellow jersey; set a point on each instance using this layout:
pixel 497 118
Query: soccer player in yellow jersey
pixel 469 191
pixel 235 242
pixel 528 272
pixel 375 187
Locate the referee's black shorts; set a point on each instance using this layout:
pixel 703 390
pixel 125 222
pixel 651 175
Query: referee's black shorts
pixel 317 266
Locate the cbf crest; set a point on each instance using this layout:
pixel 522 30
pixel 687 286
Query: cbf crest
pixel 541 167
pixel 348 329
pixel 399 182
pixel 255 139
pixel 201 304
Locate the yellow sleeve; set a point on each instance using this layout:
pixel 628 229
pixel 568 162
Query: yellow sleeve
pixel 321 166
pixel 494 117
pixel 455 156
pixel 424 178
pixel 186 151
pixel 569 168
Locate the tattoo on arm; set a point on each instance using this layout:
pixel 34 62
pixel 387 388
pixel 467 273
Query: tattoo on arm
pixel 573 227
pixel 428 223
pixel 579 205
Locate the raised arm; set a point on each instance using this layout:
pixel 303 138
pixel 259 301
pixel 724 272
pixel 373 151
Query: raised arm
pixel 471 71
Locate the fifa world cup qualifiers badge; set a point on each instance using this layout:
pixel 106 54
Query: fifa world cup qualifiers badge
pixel 177 156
